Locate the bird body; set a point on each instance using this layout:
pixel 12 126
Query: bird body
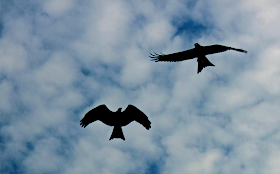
pixel 198 52
pixel 116 119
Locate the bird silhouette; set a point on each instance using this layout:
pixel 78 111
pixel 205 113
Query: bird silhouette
pixel 116 119
pixel 198 51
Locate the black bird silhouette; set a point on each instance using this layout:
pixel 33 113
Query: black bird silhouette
pixel 198 51
pixel 116 119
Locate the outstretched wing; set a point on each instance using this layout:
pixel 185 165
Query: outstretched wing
pixel 175 57
pixel 98 113
pixel 137 115
pixel 212 49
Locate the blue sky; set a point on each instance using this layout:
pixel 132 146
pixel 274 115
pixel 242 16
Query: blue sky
pixel 59 59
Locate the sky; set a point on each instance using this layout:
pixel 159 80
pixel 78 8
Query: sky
pixel 59 59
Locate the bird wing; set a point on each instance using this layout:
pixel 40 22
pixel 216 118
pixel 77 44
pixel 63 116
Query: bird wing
pixel 175 57
pixel 137 115
pixel 98 113
pixel 212 49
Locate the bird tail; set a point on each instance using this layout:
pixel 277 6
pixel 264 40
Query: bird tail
pixel 202 63
pixel 117 133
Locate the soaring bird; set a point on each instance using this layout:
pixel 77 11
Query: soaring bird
pixel 198 51
pixel 116 119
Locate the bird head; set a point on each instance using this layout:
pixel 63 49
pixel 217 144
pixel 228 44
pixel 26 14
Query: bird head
pixel 196 45
pixel 119 110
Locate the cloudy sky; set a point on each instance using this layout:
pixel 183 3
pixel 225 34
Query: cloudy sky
pixel 61 58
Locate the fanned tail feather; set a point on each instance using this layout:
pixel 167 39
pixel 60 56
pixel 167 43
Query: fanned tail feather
pixel 117 133
pixel 202 63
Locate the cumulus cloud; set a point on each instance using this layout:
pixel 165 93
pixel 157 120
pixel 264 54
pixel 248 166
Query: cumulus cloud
pixel 60 59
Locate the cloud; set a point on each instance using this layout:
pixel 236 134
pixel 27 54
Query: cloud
pixel 60 59
pixel 58 8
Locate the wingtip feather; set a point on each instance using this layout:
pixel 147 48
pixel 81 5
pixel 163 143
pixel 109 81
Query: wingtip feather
pixel 240 50
pixel 155 57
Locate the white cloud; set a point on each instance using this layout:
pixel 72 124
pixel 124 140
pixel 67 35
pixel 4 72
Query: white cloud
pixel 58 8
pixel 13 57
pixel 59 59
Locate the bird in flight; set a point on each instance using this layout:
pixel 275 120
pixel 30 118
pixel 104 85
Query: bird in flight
pixel 198 51
pixel 116 119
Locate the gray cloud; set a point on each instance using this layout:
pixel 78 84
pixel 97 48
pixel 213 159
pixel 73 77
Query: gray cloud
pixel 59 59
